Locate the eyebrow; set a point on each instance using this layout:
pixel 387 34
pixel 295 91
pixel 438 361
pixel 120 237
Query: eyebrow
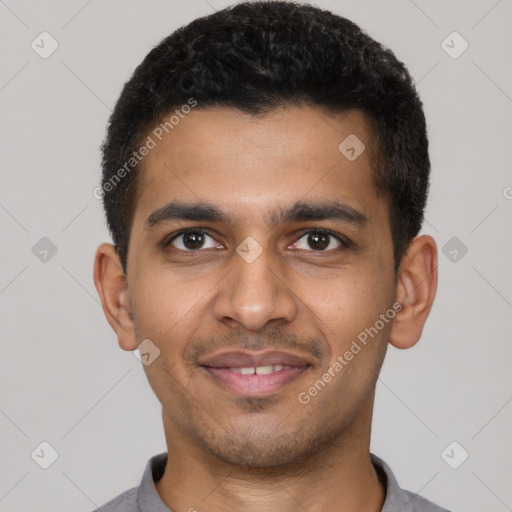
pixel 299 211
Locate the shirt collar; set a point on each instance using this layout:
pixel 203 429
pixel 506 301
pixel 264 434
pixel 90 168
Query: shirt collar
pixel 396 497
pixel 148 499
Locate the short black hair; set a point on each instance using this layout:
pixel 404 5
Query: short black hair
pixel 256 57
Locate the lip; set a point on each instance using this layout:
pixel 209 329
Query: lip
pixel 243 359
pixel 255 385
pixel 219 368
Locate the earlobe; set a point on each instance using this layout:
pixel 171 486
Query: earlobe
pixel 111 284
pixel 416 290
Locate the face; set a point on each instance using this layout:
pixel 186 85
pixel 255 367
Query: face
pixel 283 268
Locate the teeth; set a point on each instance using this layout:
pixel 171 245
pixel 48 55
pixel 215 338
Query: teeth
pixel 259 370
pixel 264 370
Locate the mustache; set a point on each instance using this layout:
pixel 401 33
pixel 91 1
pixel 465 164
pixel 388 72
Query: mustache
pixel 274 339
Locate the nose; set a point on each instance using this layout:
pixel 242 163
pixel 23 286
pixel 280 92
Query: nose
pixel 254 293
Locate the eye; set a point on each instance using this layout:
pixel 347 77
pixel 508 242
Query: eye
pixel 321 240
pixel 191 240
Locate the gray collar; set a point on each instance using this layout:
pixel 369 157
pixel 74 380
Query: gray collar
pixel 397 499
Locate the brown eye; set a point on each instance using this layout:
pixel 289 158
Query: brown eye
pixel 191 240
pixel 320 240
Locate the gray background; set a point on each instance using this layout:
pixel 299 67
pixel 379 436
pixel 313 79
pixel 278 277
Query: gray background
pixel 64 380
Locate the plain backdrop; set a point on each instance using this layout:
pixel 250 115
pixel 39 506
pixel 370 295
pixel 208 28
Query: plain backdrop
pixel 63 378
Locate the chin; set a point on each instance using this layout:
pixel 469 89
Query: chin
pixel 254 449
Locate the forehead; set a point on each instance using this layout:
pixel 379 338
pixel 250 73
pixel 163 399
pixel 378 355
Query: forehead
pixel 243 163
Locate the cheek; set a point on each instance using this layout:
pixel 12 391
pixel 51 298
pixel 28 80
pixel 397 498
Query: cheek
pixel 348 303
pixel 167 311
pixel 349 312
pixel 166 307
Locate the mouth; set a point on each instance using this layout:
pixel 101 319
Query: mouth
pixel 254 375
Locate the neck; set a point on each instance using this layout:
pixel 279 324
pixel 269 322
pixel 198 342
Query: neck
pixel 340 477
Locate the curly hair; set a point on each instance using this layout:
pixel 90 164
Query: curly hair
pixel 255 57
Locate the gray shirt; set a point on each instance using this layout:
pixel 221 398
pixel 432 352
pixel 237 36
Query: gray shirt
pixel 145 498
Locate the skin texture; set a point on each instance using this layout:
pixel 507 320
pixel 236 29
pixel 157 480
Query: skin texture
pixel 269 453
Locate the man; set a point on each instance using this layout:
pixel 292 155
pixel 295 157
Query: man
pixel 265 174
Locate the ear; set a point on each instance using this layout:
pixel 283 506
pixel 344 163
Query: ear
pixel 112 287
pixel 416 289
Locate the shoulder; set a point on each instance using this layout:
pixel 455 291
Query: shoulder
pixel 125 502
pixel 417 503
pixel 145 493
pixel 398 498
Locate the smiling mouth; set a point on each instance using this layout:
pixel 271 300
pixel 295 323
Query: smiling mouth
pixel 255 381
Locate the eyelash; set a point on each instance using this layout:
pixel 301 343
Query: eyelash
pixel 345 243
